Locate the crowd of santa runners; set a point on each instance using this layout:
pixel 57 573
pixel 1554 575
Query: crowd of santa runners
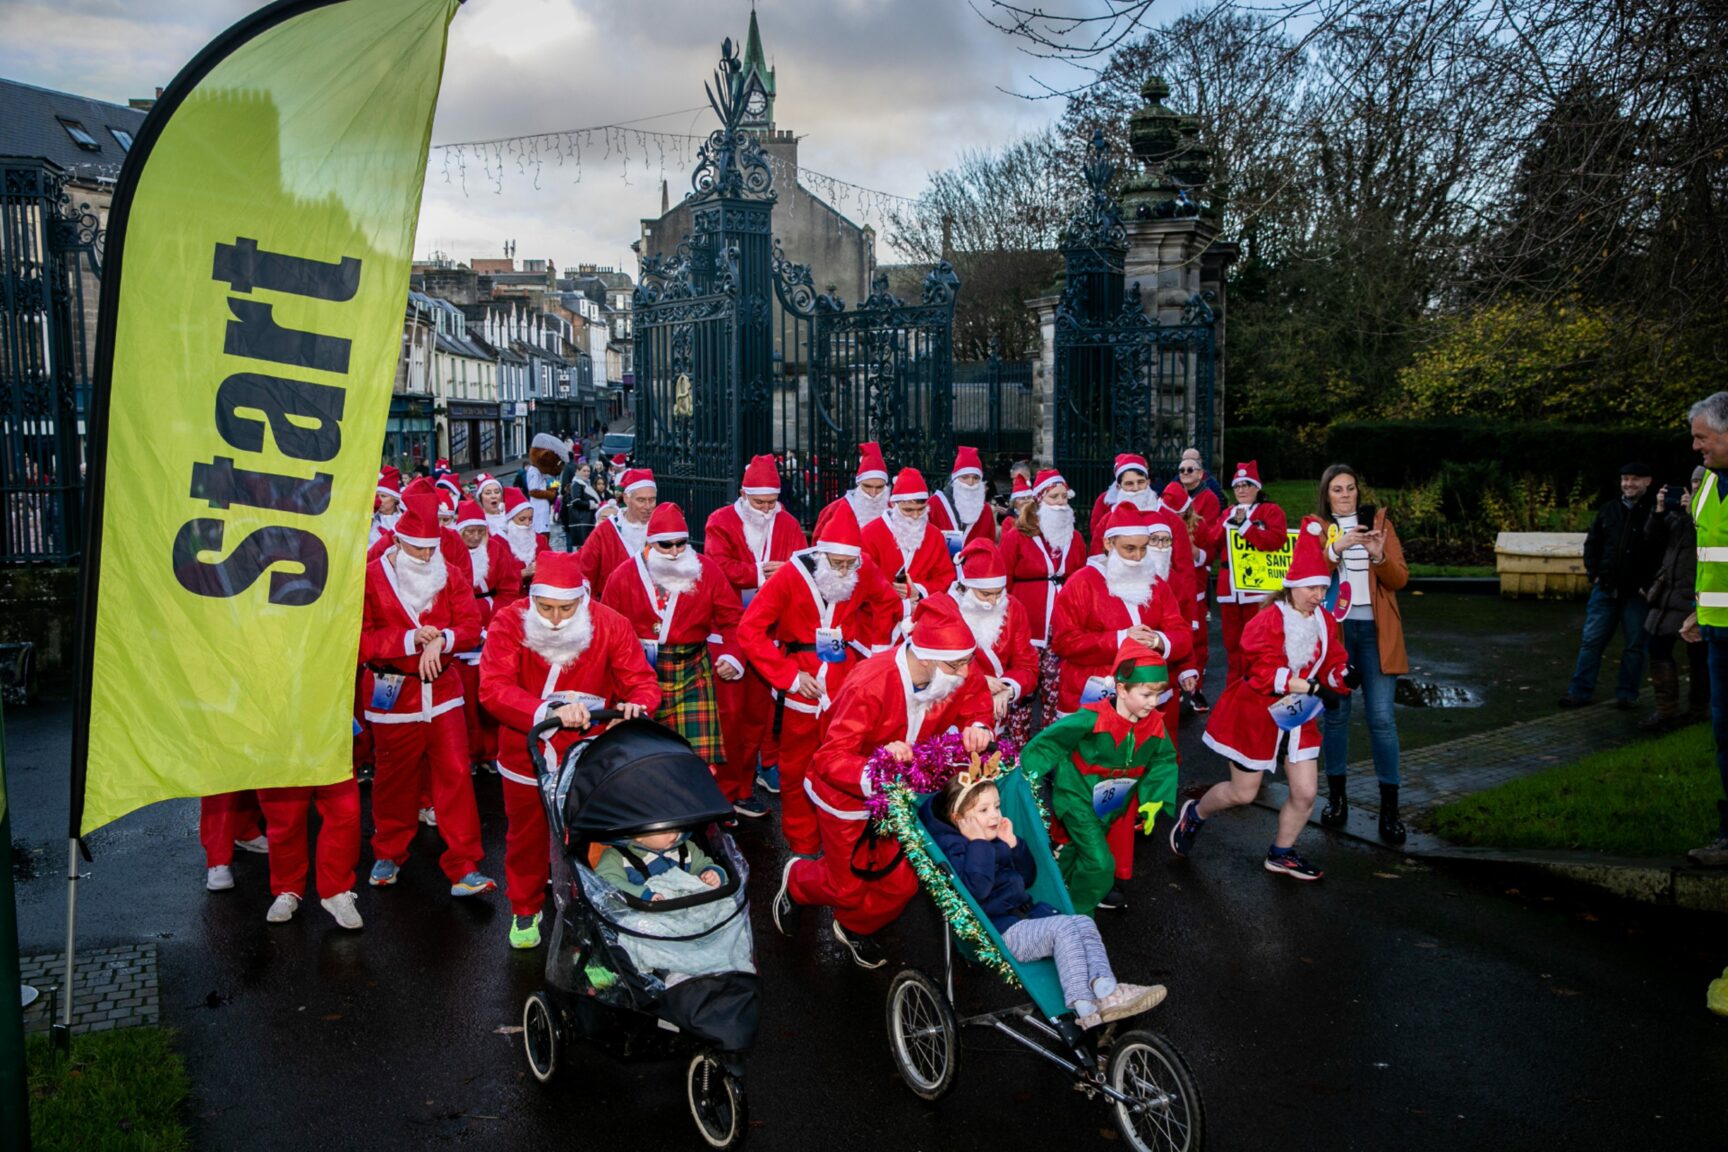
pixel 787 659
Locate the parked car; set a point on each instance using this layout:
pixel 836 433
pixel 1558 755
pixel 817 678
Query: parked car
pixel 617 444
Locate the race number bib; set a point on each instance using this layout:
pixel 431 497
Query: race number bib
pixel 1291 712
pixel 956 541
pixel 1097 688
pixel 747 595
pixel 651 649
pixel 386 686
pixel 1110 797
pixel 830 646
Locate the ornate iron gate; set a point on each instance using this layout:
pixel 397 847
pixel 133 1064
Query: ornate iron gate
pixel 1124 382
pixel 738 355
pixel 49 262
pixel 994 407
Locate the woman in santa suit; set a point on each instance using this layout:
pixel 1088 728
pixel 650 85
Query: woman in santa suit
pixel 907 547
pixel 554 652
pixel 999 625
pixel 965 516
pixel 1040 550
pixel 525 547
pixel 1293 665
pixel 1197 518
pixel 1261 526
pixel 491 560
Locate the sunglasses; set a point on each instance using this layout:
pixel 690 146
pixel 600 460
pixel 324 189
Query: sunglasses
pixel 1189 468
pixel 670 545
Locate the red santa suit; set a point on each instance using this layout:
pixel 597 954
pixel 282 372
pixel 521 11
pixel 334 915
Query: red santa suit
pixel 421 738
pixel 925 569
pixel 683 634
pixel 1036 571
pixel 875 708
pixel 747 704
pixel 1278 645
pixel 779 634
pixel 495 567
pixel 946 517
pixel 519 687
pixel 1003 649
pixel 1182 557
pixel 615 539
pixel 1197 510
pixel 870 467
pixel 1261 526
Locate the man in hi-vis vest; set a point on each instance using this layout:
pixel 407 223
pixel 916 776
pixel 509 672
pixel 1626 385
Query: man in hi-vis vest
pixel 1709 624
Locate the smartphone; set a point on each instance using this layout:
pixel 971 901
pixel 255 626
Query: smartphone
pixel 1365 514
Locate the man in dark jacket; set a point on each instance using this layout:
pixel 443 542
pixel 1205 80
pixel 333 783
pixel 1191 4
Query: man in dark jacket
pixel 1621 561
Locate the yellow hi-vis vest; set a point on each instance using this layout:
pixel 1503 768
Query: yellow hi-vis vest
pixel 1710 515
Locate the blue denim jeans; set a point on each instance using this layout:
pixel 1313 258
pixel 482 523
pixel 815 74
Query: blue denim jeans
pixel 1377 690
pixel 1603 616
pixel 1716 640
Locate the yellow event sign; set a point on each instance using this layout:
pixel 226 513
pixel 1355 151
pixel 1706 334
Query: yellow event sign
pixel 1252 570
pixel 258 262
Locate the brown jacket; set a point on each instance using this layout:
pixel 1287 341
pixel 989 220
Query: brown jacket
pixel 1384 581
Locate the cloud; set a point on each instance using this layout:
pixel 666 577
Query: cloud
pixel 882 92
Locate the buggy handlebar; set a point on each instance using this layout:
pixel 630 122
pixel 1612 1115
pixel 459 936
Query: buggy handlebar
pixel 552 724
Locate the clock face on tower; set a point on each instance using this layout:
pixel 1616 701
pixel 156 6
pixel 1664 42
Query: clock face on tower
pixel 756 104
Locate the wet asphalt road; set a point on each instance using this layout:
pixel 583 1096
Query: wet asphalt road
pixel 1390 1007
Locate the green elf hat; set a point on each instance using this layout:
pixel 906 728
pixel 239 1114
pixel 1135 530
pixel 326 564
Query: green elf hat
pixel 1138 664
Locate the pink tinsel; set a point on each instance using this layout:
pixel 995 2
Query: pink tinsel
pixel 934 762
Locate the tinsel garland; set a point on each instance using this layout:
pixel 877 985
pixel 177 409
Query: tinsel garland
pixel 934 762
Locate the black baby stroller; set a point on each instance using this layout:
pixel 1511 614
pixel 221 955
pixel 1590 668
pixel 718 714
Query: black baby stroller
pixel 667 979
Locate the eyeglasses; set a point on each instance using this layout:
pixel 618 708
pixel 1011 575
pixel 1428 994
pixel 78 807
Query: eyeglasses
pixel 671 545
pixel 1187 468
pixel 1161 543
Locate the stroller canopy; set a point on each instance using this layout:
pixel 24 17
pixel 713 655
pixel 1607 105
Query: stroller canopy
pixel 638 777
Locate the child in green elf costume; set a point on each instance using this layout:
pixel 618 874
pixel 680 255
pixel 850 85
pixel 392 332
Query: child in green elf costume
pixel 1111 766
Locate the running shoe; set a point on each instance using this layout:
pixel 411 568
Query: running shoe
pixel 428 817
pixel 282 909
pixel 784 910
pixel 341 906
pixel 768 779
pixel 384 873
pixel 750 808
pixel 1127 1000
pixel 865 952
pixel 219 878
pixel 525 931
pixel 1198 699
pixel 473 884
pixel 257 844
pixel 1113 900
pixel 1186 828
pixel 1293 866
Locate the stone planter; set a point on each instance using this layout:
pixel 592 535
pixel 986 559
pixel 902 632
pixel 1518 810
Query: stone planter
pixel 1542 564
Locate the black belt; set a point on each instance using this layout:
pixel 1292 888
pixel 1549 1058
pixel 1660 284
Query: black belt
pixel 799 646
pixel 683 649
pixel 1042 579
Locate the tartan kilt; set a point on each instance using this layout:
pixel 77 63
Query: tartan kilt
pixel 688 703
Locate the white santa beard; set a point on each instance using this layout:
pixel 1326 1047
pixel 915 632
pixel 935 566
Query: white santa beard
pixel 1128 580
pixel 867 508
pixel 634 535
pixel 561 643
pixel 1301 637
pixel 1141 499
pixel 675 574
pixel 1056 525
pixel 481 558
pixel 757 526
pixel 985 620
pixel 496 522
pixel 387 519
pixel 968 503
pixel 420 581
pixel 1158 560
pixel 523 543
pixel 833 587
pixel 908 534
pixel 942 685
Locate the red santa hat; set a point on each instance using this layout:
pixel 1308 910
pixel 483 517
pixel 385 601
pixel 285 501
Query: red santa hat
pixel 667 523
pixel 1247 472
pixel 420 486
pixel 390 481
pixel 1127 520
pixel 871 466
pixel 469 515
pixel 448 502
pixel 620 460
pixel 967 463
pixel 558 576
pixel 840 535
pixel 1175 497
pixel 514 501
pixel 485 480
pixel 636 479
pixel 1308 567
pixel 909 485
pixel 981 566
pixel 1022 490
pixel 939 632
pixel 1131 462
pixel 447 483
pixel 419 524
pixel 761 477
pixel 1046 478
pixel 441 465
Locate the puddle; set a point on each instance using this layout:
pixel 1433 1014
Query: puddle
pixel 1413 693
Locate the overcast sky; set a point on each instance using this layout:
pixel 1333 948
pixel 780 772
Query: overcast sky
pixel 884 90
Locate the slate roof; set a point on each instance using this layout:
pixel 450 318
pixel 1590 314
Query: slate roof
pixel 31 125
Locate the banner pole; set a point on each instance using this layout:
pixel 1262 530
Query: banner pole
pixel 14 1076
pixel 68 985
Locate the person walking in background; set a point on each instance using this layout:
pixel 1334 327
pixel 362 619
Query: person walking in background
pixel 1673 596
pixel 1709 624
pixel 1262 526
pixel 1620 562
pixel 1363 550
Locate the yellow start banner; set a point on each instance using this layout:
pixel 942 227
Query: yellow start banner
pixel 1252 570
pixel 258 254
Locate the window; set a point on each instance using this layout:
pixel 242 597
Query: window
pixel 123 136
pixel 80 135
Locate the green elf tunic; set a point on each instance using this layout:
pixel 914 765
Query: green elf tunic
pixel 1103 769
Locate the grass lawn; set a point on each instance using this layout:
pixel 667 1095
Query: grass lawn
pixel 1434 570
pixel 124 1089
pixel 1654 798
pixel 1296 497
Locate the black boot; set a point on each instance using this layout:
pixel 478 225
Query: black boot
pixel 1337 811
pixel 1391 828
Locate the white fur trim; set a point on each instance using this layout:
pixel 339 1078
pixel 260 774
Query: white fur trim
pixel 1308 582
pixel 941 653
pixel 408 642
pixel 985 583
pixel 1038 489
pixel 748 491
pixel 1281 679
pixel 978 472
pixel 639 485
pixel 417 541
pixel 1132 466
pixel 548 592
pixel 837 549
pixel 901 497
pixel 480 523
pixel 1114 531
pixel 657 537
pixel 732 660
pixel 489 482
pixel 1240 759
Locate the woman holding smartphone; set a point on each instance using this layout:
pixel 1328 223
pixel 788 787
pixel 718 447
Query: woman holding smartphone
pixel 1363 549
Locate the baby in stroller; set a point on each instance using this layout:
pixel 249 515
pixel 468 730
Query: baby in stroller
pixel 636 864
pixel 965 819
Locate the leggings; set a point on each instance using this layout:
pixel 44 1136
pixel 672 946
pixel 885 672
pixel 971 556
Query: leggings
pixel 1073 941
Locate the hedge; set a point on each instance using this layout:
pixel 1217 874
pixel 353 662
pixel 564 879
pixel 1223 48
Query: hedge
pixel 1281 455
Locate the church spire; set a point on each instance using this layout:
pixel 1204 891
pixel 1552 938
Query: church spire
pixel 758 80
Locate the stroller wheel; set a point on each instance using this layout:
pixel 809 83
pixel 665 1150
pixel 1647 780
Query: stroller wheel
pixel 923 1034
pixel 1166 1114
pixel 540 1036
pixel 717 1101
